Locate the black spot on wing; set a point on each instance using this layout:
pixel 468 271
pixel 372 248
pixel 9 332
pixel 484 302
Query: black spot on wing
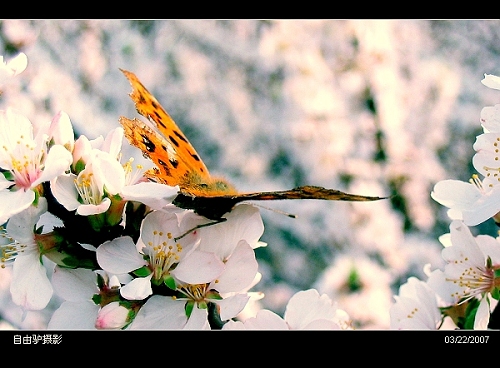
pixel 174 163
pixel 180 136
pixel 158 120
pixel 173 141
pixel 150 146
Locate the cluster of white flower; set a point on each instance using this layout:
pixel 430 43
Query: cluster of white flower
pixel 123 256
pixel 463 295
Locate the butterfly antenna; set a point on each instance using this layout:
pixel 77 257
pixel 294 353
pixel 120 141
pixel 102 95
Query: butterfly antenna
pixel 222 219
pixel 275 210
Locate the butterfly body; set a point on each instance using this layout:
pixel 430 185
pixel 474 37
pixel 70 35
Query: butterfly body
pixel 178 164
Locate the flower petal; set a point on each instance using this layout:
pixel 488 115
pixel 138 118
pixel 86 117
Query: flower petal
pixel 198 320
pixel 490 118
pixel 30 287
pixel 137 289
pixel 151 194
pixel 119 256
pixel 13 67
pixel 306 306
pixel 108 173
pixel 231 306
pixel 491 81
pixel 21 225
pixel 79 315
pixel 455 194
pixel 243 223
pixel 57 162
pixel 113 142
pixel 92 209
pixel 4 183
pixel 416 307
pixel 482 315
pixel 264 320
pixel 75 285
pixel 64 190
pixel 240 271
pixel 160 313
pixel 198 268
pixel 14 202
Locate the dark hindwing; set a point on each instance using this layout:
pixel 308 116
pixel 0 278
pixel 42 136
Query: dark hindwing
pixel 214 207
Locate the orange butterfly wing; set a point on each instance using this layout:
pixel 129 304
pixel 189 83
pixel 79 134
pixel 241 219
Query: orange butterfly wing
pixel 178 163
pixel 176 160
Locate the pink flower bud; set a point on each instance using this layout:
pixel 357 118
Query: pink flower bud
pixel 112 316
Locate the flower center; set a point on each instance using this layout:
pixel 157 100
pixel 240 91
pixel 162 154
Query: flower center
pixel 87 188
pixel 26 162
pixel 473 281
pixel 9 252
pixel 196 292
pixel 164 252
pixel 133 176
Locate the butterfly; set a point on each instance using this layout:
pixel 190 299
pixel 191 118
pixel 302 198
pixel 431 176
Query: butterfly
pixel 178 164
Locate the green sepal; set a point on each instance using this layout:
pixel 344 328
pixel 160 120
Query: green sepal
pixel 170 283
pixel 130 318
pixel 79 166
pixel 101 283
pixel 189 308
pixel 97 221
pixel 115 211
pixel 62 259
pixel 202 305
pixel 497 273
pixel 489 263
pixel 37 197
pixel 134 214
pixel 495 293
pixel 213 295
pixel 96 298
pixel 470 314
pixel 142 272
pixel 66 260
pixel 8 175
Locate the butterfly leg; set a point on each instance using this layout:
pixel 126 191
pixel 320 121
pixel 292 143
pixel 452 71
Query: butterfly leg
pixel 218 221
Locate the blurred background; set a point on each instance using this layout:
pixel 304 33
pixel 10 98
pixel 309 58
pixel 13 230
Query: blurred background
pixel 372 107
